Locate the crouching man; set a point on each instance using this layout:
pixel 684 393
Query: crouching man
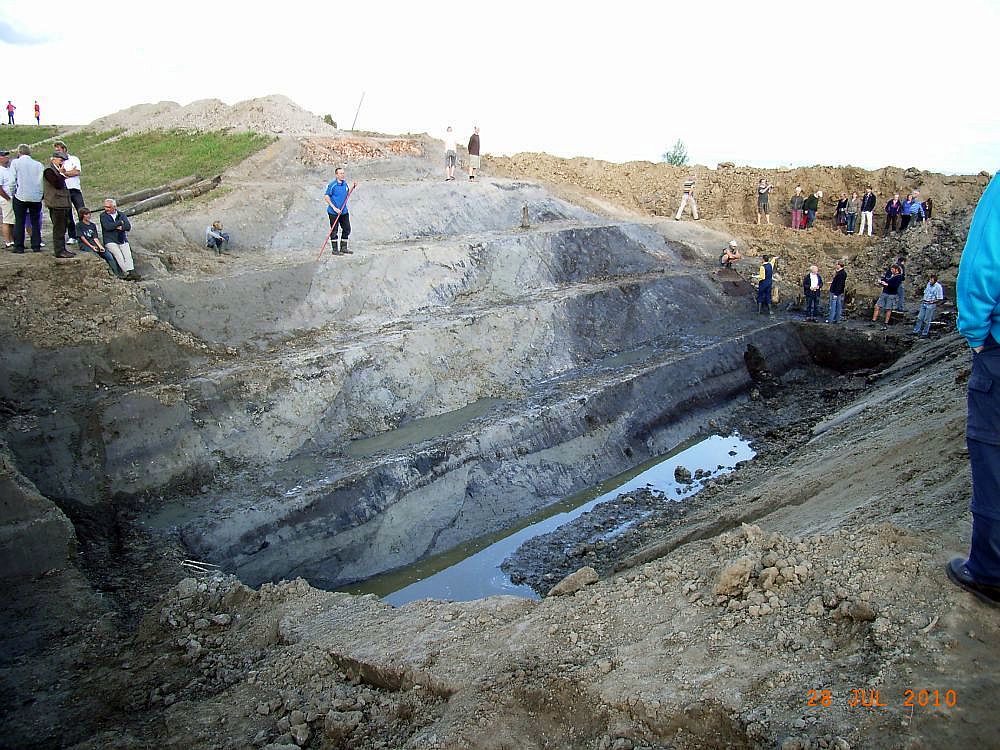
pixel 86 232
pixel 115 227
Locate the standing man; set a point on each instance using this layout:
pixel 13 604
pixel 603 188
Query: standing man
pixel 933 293
pixel 450 154
pixel 687 197
pixel 796 206
pixel 811 205
pixel 71 168
pixel 473 153
pixel 887 299
pixel 893 209
pixel 6 207
pixel 10 112
pixel 38 113
pixel 837 287
pixel 867 210
pixel 853 204
pixel 763 196
pixel 812 283
pixel 338 213
pixel 978 297
pixel 765 278
pixel 115 227
pixel 58 202
pixel 27 198
pixel 901 293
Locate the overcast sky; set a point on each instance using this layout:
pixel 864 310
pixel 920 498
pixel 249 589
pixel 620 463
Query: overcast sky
pixel 762 83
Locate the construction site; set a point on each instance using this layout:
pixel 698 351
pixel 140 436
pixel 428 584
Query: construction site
pixel 526 470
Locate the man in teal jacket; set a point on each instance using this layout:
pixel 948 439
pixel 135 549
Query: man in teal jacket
pixel 978 298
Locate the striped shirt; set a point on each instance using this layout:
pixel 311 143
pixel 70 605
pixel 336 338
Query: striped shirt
pixel 933 292
pixel 688 187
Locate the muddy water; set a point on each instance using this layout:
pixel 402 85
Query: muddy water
pixel 421 429
pixel 472 570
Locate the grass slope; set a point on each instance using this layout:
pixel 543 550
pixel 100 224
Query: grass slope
pixel 114 164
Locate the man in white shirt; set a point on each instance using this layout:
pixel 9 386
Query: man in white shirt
pixel 6 207
pixel 450 154
pixel 71 169
pixel 933 294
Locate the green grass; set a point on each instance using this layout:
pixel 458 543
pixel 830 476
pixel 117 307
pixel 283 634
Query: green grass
pixel 150 159
pixel 11 138
pixel 115 165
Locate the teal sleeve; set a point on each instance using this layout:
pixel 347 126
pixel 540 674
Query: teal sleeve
pixel 978 286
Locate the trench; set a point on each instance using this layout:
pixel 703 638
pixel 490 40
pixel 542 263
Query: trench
pixel 483 381
pixel 399 507
pixel 475 569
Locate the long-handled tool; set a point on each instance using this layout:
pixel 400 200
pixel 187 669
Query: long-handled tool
pixel 335 222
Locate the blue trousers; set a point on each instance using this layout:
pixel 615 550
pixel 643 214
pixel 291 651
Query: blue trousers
pixel 924 318
pixel 812 304
pixel 836 307
pixel 983 438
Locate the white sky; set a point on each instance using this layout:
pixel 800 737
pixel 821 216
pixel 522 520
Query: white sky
pixel 909 83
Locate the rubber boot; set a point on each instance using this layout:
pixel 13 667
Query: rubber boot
pixel 335 244
pixel 343 248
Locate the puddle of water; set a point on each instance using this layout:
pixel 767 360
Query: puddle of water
pixel 421 429
pixel 472 570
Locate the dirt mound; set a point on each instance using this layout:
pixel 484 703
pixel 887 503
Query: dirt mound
pixel 727 202
pixel 268 114
pixel 325 151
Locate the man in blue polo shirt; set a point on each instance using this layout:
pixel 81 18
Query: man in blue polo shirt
pixel 978 297
pixel 337 211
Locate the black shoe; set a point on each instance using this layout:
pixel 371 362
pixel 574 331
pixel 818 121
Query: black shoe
pixel 16 249
pixel 36 249
pixel 959 575
pixel 65 254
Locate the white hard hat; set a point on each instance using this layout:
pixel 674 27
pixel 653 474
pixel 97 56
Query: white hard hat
pixel 732 243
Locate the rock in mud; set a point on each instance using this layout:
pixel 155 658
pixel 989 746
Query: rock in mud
pixel 734 576
pixel 574 582
pixel 682 475
pixel 339 724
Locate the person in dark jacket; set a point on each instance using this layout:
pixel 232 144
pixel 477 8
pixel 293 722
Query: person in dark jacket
pixel 795 206
pixel 840 215
pixel 811 206
pixel 893 209
pixel 765 278
pixel 86 232
pixel 867 211
pixel 57 200
pixel 473 153
pixel 887 299
pixel 115 227
pixel 812 284
pixel 837 287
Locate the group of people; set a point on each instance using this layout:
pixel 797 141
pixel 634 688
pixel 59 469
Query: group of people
pixel 451 153
pixel 26 185
pixel 891 298
pixel 11 109
pixel 853 215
